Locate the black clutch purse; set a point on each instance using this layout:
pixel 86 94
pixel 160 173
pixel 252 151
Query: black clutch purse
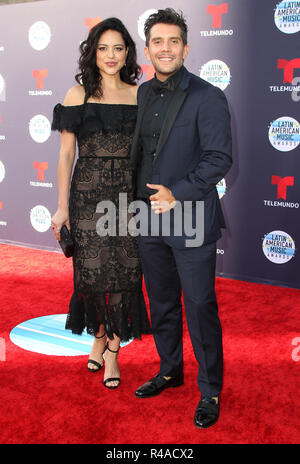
pixel 66 242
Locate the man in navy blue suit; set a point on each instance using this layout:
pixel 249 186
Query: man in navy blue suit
pixel 180 151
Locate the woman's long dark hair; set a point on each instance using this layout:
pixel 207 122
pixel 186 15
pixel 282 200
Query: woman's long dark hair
pixel 89 76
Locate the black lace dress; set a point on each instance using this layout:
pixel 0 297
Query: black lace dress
pixel 107 272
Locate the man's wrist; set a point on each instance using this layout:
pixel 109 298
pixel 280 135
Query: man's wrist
pixel 172 198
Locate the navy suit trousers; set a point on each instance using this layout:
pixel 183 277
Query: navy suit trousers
pixel 168 272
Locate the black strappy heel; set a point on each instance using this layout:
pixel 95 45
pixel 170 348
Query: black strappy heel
pixel 92 361
pixel 112 379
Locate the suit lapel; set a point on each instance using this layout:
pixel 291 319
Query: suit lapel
pixel 174 107
pixel 135 142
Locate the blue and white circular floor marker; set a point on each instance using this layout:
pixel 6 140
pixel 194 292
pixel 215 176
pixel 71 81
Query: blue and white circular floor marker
pixel 47 335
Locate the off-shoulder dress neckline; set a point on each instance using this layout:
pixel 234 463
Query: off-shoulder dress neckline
pixel 100 104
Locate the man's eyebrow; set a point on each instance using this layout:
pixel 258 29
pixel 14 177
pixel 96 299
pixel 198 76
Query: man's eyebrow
pixel 175 37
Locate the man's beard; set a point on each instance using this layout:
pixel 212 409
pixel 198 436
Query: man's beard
pixel 173 70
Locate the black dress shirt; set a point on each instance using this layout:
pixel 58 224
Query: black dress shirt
pixel 154 115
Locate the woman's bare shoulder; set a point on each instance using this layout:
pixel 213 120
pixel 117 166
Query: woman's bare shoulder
pixel 133 90
pixel 74 96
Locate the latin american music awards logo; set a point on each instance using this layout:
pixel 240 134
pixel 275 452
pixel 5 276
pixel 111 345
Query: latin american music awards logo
pixel 2 171
pixel 2 137
pixel 40 128
pixel 221 188
pixel 284 133
pixel 47 335
pixel 2 88
pixel 39 35
pixel 287 16
pixel 278 247
pixel 40 218
pixel 217 73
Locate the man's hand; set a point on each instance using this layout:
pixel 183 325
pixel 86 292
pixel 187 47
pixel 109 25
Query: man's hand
pixel 163 200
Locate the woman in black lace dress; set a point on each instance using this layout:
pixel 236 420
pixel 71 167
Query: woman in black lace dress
pixel 100 114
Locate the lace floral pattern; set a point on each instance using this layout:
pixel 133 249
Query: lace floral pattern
pixel 107 272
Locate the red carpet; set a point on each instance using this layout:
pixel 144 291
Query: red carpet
pixel 55 400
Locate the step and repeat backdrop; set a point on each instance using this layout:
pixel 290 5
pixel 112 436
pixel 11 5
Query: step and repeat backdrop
pixel 248 48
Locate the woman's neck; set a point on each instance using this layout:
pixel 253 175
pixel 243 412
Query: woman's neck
pixel 111 82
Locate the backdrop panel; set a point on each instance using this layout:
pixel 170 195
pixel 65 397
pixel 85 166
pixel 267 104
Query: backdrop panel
pixel 249 48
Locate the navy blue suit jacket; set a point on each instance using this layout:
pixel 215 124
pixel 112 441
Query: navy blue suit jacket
pixel 194 149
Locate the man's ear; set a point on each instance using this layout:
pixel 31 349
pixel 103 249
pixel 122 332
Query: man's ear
pixel 186 51
pixel 147 54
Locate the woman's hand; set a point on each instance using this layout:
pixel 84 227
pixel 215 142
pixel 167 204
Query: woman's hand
pixel 59 219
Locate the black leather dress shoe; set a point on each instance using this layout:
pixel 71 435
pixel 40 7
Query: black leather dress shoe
pixel 156 385
pixel 207 412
